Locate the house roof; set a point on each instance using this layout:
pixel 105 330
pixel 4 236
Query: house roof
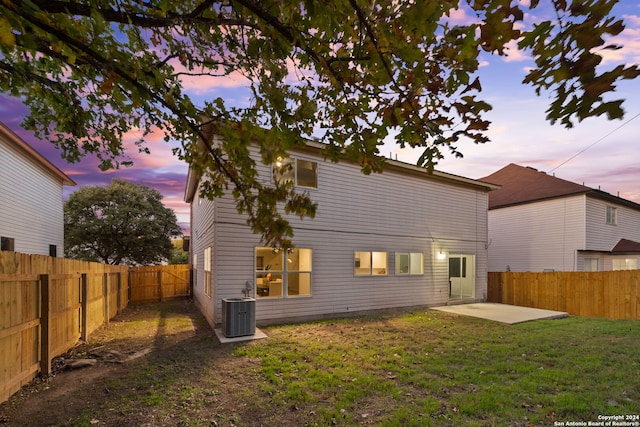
pixel 317 148
pixel 520 185
pixel 10 137
pixel 626 246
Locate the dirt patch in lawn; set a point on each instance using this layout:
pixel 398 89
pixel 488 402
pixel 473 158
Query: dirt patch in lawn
pixel 152 365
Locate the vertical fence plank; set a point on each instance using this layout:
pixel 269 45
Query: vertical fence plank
pixel 119 290
pixel 636 306
pixel 83 307
pixel 159 275
pixel 45 325
pixel 105 297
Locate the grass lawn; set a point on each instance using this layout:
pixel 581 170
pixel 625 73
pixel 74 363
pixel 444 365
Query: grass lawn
pixel 419 368
pixel 426 368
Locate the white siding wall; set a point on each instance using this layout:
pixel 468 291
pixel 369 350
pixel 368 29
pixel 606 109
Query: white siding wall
pixel 537 236
pixel 602 236
pixel 203 236
pixel 381 212
pixel 31 206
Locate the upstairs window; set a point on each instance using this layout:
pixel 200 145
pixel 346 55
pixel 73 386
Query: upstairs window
pixel 612 215
pixel 303 173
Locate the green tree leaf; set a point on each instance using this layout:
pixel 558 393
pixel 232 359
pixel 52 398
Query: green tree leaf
pixel 352 72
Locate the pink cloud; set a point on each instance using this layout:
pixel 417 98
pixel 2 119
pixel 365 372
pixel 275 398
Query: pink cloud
pixel 514 54
pixel 629 39
pixel 202 81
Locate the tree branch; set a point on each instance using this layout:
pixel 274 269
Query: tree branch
pixel 136 18
pixel 287 33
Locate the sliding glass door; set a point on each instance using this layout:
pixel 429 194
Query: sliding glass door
pixel 462 281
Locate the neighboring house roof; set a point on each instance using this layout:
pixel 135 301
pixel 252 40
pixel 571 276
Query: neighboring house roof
pixel 10 137
pixel 520 185
pixel 626 246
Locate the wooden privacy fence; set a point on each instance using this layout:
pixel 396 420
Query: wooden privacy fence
pixel 159 283
pixel 610 294
pixel 47 305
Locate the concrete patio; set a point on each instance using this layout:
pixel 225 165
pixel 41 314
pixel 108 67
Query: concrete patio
pixel 504 313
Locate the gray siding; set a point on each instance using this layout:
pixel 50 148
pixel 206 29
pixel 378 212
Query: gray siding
pixel 202 237
pixel 31 206
pixel 537 236
pixel 392 212
pixel 602 236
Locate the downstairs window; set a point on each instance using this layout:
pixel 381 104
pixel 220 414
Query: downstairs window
pixel 283 273
pixel 409 263
pixel 370 263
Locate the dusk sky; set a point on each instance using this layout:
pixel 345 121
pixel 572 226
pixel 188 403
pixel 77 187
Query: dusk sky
pixel 597 152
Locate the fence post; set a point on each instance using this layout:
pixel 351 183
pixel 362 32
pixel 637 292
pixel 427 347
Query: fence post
pixel 45 317
pixel 160 285
pixel 105 293
pixel 83 306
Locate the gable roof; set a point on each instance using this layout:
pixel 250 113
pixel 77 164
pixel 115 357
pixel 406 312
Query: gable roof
pixel 520 185
pixel 10 137
pixel 626 246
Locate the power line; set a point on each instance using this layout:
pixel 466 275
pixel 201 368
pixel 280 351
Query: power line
pixel 582 151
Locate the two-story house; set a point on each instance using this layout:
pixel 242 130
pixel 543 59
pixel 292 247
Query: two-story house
pixel 402 238
pixel 538 222
pixel 31 205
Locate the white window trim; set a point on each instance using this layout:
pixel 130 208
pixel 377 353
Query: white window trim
pixel 371 267
pixel 619 264
pixel 409 272
pixel 207 272
pixel 195 267
pixel 294 161
pixel 612 215
pixel 285 278
pixel 590 260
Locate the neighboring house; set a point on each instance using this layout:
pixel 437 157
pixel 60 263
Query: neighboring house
pixel 31 206
pixel 538 222
pixel 398 239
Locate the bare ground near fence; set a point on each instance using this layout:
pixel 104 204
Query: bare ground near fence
pixel 160 334
pixel 47 305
